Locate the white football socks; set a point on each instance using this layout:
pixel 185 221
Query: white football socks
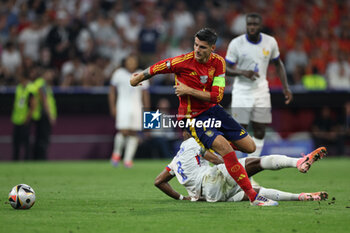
pixel 130 148
pixel 278 195
pixel 119 141
pixel 275 162
pixel 259 146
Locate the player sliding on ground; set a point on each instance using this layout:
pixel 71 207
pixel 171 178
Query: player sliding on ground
pixel 200 84
pixel 212 184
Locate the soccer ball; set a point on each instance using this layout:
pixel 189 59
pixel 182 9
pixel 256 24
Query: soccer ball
pixel 22 196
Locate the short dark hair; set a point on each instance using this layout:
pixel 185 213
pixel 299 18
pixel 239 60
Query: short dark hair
pixel 208 35
pixel 254 15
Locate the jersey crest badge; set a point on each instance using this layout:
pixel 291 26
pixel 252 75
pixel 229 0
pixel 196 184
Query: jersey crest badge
pixel 209 133
pixel 211 72
pixel 204 78
pixel 266 52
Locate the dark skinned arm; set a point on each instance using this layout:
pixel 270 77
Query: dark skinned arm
pixel 281 71
pixel 162 182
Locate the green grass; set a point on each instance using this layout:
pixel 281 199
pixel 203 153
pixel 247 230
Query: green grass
pixel 95 197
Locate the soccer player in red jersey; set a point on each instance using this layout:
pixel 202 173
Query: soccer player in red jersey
pixel 200 84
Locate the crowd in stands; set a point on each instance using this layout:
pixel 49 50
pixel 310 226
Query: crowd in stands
pixel 83 41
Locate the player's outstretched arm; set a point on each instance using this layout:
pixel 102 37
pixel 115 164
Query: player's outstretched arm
pixel 281 71
pixel 161 182
pixel 138 78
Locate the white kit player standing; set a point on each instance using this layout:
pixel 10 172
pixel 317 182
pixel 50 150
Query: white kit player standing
pixel 126 103
pixel 247 59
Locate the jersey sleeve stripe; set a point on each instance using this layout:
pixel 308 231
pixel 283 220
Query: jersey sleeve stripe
pixel 181 59
pixel 222 61
pixel 168 168
pixel 230 62
pixel 276 58
pixel 159 67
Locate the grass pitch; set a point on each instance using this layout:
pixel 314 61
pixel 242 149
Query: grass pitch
pixel 92 196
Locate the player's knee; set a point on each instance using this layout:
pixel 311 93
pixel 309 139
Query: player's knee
pixel 250 148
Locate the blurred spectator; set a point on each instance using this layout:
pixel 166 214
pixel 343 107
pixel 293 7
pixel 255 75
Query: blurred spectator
pixel 59 39
pixel 45 60
pixel 238 24
pixel 23 107
pixel 36 8
pixel 215 19
pixel 185 46
pixel 129 26
pixel 201 20
pixel 326 131
pixel 296 59
pixel 338 73
pixel 148 41
pixel 93 74
pixel 8 18
pixel 72 72
pixel 11 63
pixel 30 39
pixel 85 44
pixel 182 20
pixel 105 35
pixel 122 19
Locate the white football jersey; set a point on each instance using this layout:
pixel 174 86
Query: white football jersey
pixel 189 167
pixel 129 98
pixel 252 56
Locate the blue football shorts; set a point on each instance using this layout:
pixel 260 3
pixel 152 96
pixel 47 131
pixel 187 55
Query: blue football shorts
pixel 215 121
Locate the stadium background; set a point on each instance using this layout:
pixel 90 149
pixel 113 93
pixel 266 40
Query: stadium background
pixel 313 37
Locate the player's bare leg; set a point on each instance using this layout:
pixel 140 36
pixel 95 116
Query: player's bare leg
pixel 237 171
pixel 245 144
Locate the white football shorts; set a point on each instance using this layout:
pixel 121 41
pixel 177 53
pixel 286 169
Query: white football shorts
pixel 246 108
pixel 129 118
pixel 218 185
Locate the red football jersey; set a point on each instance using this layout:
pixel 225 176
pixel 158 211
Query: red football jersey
pixel 195 75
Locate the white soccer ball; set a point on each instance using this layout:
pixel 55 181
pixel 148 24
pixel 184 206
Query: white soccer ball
pixel 22 196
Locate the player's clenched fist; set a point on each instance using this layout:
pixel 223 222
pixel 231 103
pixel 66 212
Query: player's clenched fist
pixel 181 89
pixel 135 79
